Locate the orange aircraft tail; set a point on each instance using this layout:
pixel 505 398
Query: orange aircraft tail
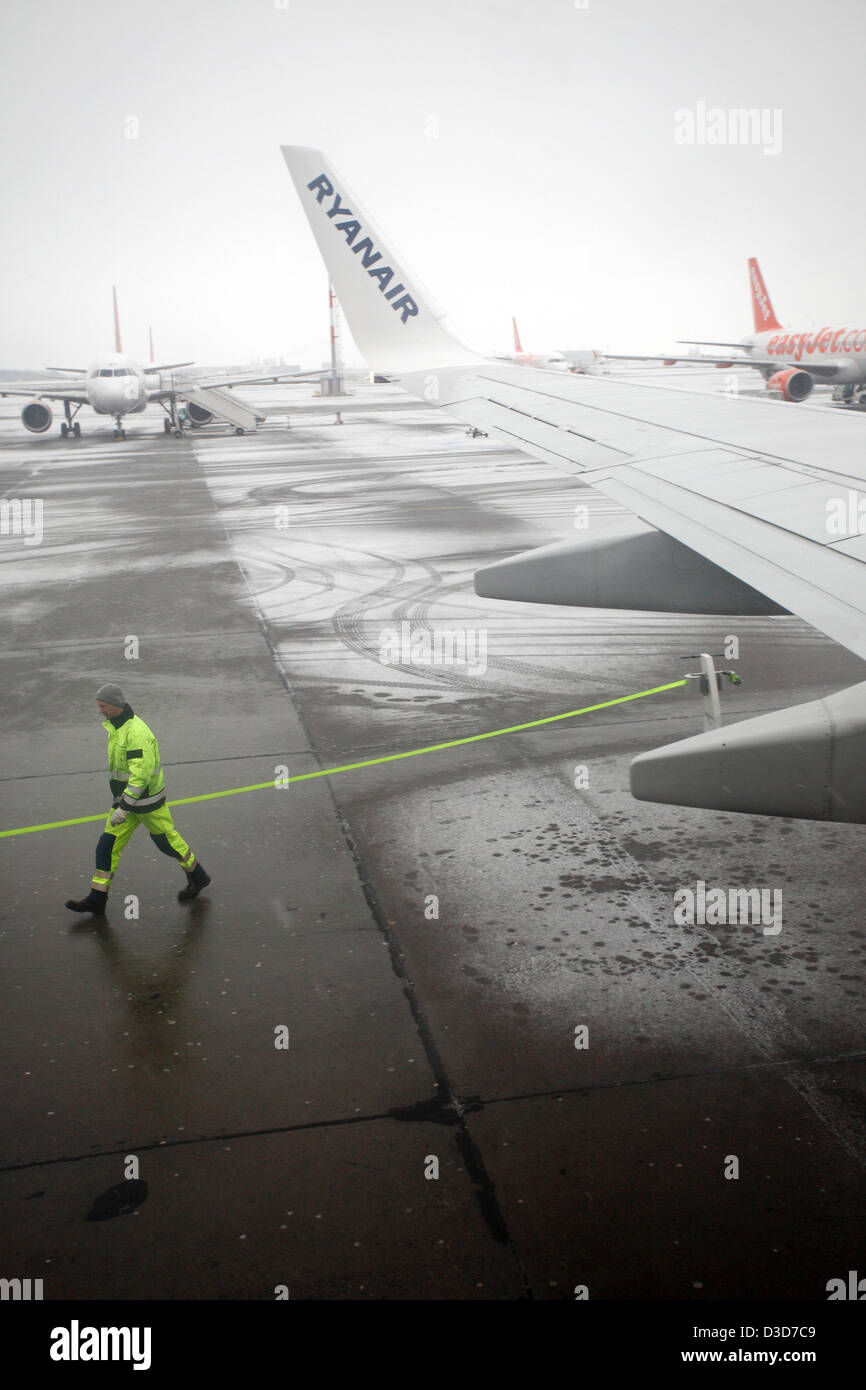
pixel 762 309
pixel 517 347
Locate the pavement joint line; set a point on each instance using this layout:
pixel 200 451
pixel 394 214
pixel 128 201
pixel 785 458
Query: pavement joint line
pixel 154 1146
pixel 465 1106
pixel 370 762
pixel 152 637
pixel 184 762
pixel 470 1154
pixel 592 1087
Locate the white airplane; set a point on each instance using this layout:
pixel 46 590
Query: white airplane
pixel 118 386
pixel 736 507
pixel 790 361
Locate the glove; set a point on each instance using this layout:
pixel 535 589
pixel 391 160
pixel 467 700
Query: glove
pixel 118 816
pixel 117 801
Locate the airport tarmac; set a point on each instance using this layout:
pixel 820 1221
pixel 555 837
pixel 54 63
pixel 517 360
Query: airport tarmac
pixel 510 1073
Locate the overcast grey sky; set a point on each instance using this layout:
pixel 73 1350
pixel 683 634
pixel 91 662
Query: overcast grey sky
pixel 520 155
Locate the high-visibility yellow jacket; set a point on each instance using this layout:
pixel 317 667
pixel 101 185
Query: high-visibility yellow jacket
pixel 134 769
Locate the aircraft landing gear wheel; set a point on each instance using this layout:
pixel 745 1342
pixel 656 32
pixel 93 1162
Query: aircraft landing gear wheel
pixel 178 434
pixel 239 430
pixel 64 430
pixel 76 430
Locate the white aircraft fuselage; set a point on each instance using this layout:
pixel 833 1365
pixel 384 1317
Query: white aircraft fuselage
pixel 841 348
pixel 550 361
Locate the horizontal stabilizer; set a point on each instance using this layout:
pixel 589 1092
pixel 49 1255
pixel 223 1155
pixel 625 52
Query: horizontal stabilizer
pixel 627 565
pixel 808 761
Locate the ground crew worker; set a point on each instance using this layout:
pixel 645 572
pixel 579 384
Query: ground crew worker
pixel 138 788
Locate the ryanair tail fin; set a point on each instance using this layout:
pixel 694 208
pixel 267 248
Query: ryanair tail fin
pixel 762 309
pixel 394 320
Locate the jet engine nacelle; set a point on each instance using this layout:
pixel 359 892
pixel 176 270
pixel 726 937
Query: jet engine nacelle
pixel 37 417
pixel 793 384
pixel 197 413
pixel 627 565
pixel 807 761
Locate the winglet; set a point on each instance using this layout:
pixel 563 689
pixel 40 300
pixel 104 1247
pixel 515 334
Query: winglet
pixel 118 346
pixel 394 320
pixel 762 309
pixel 517 347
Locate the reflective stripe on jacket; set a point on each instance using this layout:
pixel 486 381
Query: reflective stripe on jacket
pixel 134 769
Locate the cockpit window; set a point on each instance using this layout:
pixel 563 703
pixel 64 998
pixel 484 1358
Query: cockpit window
pixel 105 371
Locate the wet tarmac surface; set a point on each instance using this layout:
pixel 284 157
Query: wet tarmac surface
pixel 509 1071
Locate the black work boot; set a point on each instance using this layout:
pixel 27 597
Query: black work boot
pixel 195 882
pixel 94 902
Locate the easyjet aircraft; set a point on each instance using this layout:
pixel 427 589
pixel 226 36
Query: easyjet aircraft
pixel 551 361
pixel 789 360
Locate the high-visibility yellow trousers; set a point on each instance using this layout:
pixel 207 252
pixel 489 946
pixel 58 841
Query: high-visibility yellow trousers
pixel 114 839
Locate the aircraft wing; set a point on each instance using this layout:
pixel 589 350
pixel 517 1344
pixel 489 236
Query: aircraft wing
pixel 261 378
pixel 824 371
pixel 671 359
pixel 184 387
pixel 63 390
pixel 737 499
pixel 749 491
pixel 178 386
